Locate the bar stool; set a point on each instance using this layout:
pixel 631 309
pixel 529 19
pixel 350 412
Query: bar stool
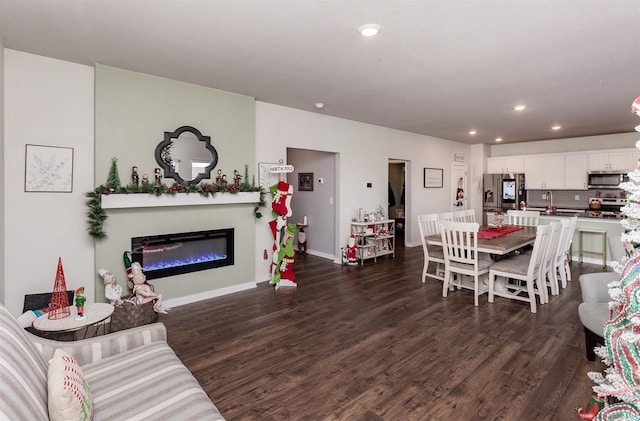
pixel 581 250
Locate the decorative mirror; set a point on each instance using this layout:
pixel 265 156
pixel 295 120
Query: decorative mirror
pixel 186 155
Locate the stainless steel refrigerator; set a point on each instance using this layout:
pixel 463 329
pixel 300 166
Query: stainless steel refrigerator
pixel 501 192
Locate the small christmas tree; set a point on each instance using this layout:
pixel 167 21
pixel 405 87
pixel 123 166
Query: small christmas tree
pixel 59 298
pixel 113 181
pixel 621 352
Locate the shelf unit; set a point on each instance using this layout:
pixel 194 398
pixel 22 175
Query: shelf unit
pixel 374 239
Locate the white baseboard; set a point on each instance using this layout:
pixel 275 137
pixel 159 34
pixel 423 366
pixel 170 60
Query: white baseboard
pixel 180 301
pixel 321 254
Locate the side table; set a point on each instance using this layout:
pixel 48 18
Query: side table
pixel 95 314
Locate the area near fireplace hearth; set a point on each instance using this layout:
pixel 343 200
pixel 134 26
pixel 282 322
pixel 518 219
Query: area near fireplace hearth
pixel 133 111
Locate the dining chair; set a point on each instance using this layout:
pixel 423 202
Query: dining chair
pixel 469 215
pixel 526 268
pixel 567 262
pixel 429 225
pixel 460 247
pixel 549 279
pixel 459 216
pixel 445 216
pixel 522 218
pixel 560 261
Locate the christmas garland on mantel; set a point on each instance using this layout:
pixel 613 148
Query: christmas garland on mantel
pixel 96 215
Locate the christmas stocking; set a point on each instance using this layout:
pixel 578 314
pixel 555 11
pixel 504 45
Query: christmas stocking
pixel 592 409
pixel 282 193
pixel 286 252
pixel 286 269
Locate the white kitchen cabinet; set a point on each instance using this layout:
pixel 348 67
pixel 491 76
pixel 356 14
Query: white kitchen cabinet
pixel 575 172
pixel 622 160
pixel 544 172
pixel 505 165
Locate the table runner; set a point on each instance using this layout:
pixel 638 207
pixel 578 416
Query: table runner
pixel 495 232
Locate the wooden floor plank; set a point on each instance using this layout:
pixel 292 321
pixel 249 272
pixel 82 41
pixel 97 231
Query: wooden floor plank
pixel 374 343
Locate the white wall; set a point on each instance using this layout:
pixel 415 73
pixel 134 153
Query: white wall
pixel 47 102
pixel 364 150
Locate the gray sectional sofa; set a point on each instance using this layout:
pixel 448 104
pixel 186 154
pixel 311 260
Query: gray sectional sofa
pixel 131 374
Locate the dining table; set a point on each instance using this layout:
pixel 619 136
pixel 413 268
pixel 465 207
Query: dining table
pixel 497 240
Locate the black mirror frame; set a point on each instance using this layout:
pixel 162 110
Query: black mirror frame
pixel 168 170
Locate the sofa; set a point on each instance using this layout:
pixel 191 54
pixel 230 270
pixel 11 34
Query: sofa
pixel 593 311
pixel 131 374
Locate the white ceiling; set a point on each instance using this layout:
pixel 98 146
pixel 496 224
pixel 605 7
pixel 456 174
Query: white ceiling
pixel 438 67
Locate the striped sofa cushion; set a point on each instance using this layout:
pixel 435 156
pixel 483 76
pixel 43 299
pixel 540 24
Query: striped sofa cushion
pixel 23 373
pixel 147 383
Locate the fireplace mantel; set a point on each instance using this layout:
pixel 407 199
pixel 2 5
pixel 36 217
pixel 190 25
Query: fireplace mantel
pixel 146 200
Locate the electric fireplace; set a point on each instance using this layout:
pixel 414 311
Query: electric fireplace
pixel 175 254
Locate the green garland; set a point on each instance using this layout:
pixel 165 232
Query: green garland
pixel 96 215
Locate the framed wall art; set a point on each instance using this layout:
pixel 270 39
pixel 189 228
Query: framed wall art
pixel 48 169
pixel 305 181
pixel 433 178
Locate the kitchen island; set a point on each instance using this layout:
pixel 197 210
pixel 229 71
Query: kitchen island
pixel 611 225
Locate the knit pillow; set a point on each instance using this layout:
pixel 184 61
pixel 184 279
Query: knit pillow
pixel 69 393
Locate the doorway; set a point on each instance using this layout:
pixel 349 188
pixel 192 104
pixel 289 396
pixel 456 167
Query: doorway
pixel 314 202
pixel 459 187
pixel 397 198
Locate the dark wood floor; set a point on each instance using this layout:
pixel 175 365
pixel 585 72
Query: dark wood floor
pixel 375 343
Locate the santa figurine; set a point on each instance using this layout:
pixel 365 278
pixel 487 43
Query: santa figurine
pixel 352 251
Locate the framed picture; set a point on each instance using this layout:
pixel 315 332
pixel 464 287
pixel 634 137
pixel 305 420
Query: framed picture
pixel 433 178
pixel 266 178
pixel 305 181
pixel 48 169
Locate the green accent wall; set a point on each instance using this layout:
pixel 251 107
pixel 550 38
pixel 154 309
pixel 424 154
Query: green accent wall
pixel 133 111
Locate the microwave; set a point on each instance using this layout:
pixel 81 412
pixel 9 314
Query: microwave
pixel 606 179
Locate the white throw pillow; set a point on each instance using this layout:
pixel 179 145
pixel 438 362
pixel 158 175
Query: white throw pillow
pixel 69 393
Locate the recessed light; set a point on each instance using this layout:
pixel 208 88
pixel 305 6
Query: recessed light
pixel 319 105
pixel 556 127
pixel 520 107
pixel 472 132
pixel 498 139
pixel 369 30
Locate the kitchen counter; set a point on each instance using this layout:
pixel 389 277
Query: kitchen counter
pixel 580 213
pixel 611 225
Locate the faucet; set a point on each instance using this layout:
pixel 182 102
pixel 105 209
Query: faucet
pixel 550 209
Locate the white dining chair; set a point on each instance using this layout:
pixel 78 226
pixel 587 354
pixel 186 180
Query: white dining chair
pixel 560 260
pixel 459 216
pixel 523 218
pixel 469 215
pixel 429 225
pixel 460 247
pixel 445 216
pixel 567 262
pixel 526 268
pixel 550 280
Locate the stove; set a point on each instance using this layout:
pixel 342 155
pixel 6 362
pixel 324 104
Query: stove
pixel 605 207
